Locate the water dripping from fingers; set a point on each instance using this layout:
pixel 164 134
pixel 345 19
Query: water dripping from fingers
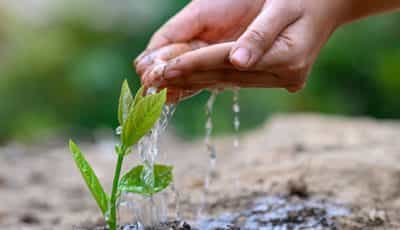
pixel 236 129
pixel 210 149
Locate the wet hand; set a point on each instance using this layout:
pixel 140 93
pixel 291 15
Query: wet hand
pixel 209 21
pixel 155 62
pixel 277 49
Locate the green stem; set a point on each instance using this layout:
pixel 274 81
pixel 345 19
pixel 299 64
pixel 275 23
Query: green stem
pixel 112 220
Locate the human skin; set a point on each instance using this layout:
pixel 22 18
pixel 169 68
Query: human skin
pixel 257 44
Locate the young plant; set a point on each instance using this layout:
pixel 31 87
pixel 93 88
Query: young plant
pixel 136 116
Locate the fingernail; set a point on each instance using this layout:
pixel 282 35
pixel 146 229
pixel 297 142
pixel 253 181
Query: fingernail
pixel 141 55
pixel 241 57
pixel 172 74
pixel 145 61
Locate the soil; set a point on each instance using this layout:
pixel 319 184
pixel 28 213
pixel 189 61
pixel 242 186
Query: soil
pixel 354 162
pixel 169 225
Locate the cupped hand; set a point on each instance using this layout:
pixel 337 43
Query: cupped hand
pixel 209 21
pixel 283 42
pixel 157 64
pixel 209 68
pixel 274 43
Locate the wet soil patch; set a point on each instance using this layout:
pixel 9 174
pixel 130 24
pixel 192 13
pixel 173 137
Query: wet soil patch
pixel 279 212
pixel 266 212
pixel 170 225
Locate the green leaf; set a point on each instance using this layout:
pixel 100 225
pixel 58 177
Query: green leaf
pixel 138 96
pixel 142 117
pixel 133 181
pixel 125 102
pixel 90 177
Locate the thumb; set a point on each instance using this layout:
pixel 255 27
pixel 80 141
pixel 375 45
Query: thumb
pixel 261 34
pixel 184 26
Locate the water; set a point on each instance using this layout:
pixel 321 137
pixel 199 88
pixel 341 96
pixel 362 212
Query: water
pixel 142 210
pixel 177 201
pixel 209 145
pixel 147 210
pixel 148 146
pixel 236 127
pixel 236 118
pixel 273 212
pixel 210 148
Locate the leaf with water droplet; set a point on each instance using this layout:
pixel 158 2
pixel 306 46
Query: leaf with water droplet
pixel 134 182
pixel 142 117
pixel 125 102
pixel 90 177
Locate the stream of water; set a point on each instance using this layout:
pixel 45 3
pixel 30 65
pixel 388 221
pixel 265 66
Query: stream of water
pixel 236 117
pixel 236 129
pixel 210 150
pixel 144 210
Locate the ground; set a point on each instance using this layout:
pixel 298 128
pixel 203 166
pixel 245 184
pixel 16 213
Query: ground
pixel 354 161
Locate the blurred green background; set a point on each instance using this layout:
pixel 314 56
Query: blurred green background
pixel 62 64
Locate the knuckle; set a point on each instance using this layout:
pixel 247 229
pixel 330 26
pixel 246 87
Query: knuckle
pixel 258 37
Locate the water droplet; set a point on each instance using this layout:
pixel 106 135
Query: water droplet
pixel 236 119
pixel 118 130
pixel 236 143
pixel 151 91
pixel 236 108
pixel 236 127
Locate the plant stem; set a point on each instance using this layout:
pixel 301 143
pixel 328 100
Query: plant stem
pixel 112 220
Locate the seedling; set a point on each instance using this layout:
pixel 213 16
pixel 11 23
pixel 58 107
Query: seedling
pixel 136 116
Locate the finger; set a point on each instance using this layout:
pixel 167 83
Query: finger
pixel 203 59
pixel 183 27
pixel 280 54
pixel 153 75
pixel 165 54
pixel 174 95
pixel 162 54
pixel 226 79
pixel 261 34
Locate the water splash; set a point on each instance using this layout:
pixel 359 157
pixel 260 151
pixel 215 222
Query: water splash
pixel 210 150
pixel 149 210
pixel 142 210
pixel 148 146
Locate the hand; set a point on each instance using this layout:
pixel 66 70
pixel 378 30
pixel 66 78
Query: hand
pixel 209 21
pixel 282 44
pixel 208 68
pixel 278 48
pixel 157 62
